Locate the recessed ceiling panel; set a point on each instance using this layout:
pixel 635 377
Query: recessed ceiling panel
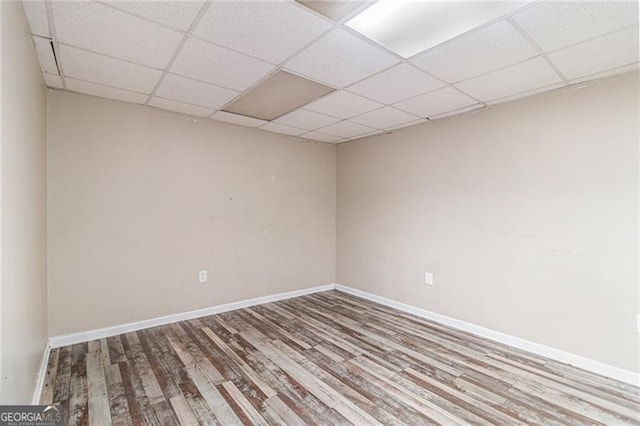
pixel 194 92
pixel 175 14
pixel 335 10
pixel 557 24
pixel 108 71
pixel 104 91
pixel 216 65
pixel 601 54
pixel 343 105
pixel 436 102
pixel 509 81
pixel 279 94
pixel 484 50
pixel 340 59
pixel 409 27
pixel 170 105
pixel 393 85
pixel 102 29
pixel 269 30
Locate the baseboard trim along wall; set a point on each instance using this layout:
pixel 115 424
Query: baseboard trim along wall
pixel 85 336
pixel 517 342
pixel 42 373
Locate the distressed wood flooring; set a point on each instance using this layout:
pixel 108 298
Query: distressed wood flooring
pixel 326 358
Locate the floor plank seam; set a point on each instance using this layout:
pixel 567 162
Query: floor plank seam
pixel 325 358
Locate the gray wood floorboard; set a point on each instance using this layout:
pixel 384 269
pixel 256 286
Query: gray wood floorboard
pixel 326 358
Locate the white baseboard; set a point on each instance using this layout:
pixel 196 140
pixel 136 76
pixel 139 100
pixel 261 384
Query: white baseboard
pixel 527 345
pixel 41 375
pixel 85 336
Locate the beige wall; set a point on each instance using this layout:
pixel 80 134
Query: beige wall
pixel 527 214
pixel 141 199
pixel 23 225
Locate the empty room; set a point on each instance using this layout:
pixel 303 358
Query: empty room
pixel 299 212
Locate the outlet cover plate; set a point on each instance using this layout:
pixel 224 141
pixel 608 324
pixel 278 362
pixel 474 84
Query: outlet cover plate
pixel 428 278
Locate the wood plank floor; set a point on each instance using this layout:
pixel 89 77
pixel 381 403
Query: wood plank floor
pixel 326 358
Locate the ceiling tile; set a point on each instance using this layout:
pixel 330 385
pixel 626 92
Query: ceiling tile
pixel 610 73
pixel 601 54
pixel 304 119
pixel 526 94
pixel 336 10
pixel 104 91
pixel 241 120
pixel 340 59
pixel 272 31
pixel 53 80
pixel 322 137
pixel 217 65
pixel 100 69
pixel 37 16
pixel 436 102
pixel 509 81
pixel 385 118
pixel 45 55
pixel 411 123
pixel 179 107
pixel 343 105
pixel 194 92
pixel 175 14
pixel 347 129
pixel 393 85
pixel 282 129
pixel 457 111
pixel 481 51
pixel 560 23
pixel 103 29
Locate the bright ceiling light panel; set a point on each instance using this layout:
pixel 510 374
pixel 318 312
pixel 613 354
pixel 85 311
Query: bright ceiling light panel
pixel 409 27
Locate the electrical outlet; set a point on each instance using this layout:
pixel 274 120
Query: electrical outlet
pixel 638 322
pixel 202 276
pixel 428 278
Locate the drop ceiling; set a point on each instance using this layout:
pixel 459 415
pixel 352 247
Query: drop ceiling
pixel 199 57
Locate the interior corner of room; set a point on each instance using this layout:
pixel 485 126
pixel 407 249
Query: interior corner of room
pixel 500 211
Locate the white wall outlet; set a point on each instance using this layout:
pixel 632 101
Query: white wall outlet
pixel 428 278
pixel 638 322
pixel 202 276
